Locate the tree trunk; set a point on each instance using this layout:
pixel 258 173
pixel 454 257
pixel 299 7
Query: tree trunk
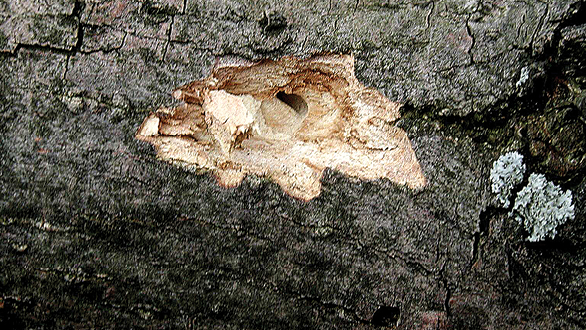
pixel 97 232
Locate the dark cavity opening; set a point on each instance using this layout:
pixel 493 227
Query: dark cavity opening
pixel 296 102
pixel 386 316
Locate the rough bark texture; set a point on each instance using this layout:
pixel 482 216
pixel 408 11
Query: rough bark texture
pixel 96 232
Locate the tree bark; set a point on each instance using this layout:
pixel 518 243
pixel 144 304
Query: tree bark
pixel 96 232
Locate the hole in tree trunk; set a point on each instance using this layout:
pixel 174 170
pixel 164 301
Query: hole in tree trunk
pixel 294 101
pixel 284 114
pixel 287 119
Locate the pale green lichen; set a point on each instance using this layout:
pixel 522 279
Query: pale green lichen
pixel 541 207
pixel 507 172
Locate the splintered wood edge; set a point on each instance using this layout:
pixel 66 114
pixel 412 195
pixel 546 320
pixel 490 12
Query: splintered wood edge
pixel 369 104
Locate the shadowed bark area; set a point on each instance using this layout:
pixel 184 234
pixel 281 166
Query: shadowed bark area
pixel 96 232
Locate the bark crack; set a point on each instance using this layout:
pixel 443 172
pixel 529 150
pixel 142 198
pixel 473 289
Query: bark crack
pixel 449 293
pixel 539 26
pixel 483 231
pixel 472 43
pixel 169 32
pixel 520 26
pixel 428 17
pixel 67 59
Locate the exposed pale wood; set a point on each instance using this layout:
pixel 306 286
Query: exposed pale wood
pixel 289 120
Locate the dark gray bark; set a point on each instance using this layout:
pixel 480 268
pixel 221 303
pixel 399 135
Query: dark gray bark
pixel 96 232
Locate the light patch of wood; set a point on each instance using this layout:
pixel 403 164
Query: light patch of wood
pixel 288 120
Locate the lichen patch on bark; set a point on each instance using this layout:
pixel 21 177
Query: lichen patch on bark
pixel 288 120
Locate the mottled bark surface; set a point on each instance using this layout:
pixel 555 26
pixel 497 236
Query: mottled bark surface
pixel 96 232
